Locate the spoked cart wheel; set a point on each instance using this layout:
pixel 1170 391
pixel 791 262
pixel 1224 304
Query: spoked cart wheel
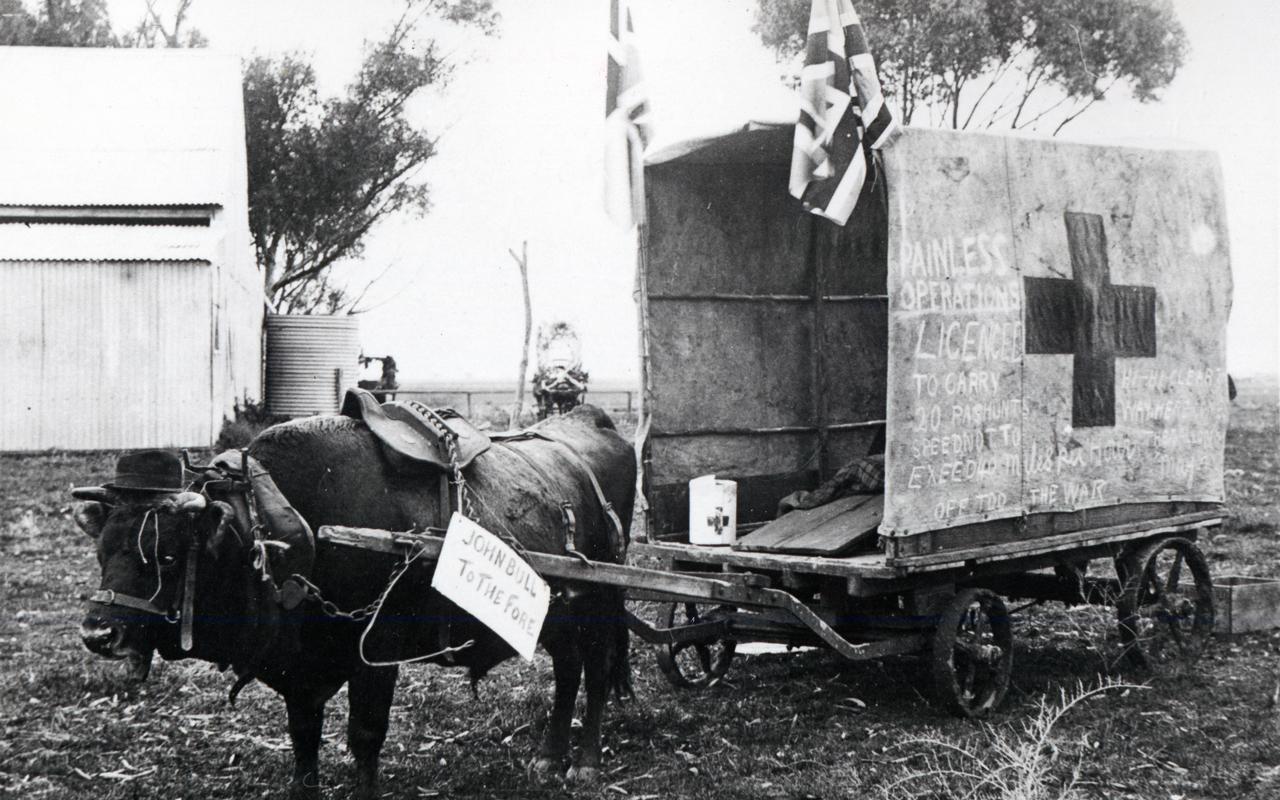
pixel 971 656
pixel 1166 604
pixel 696 664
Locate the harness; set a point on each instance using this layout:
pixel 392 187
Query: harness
pixel 238 486
pixel 617 537
pixel 246 517
pixel 455 496
pixel 183 608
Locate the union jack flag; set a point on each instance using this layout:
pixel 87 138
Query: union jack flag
pixel 627 124
pixel 842 113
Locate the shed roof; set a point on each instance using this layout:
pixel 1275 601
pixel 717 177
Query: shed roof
pixel 91 126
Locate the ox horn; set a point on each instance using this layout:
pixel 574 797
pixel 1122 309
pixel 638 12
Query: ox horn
pixel 98 493
pixel 189 501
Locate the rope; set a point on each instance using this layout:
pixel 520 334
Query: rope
pixel 376 605
pixel 155 554
pixel 142 554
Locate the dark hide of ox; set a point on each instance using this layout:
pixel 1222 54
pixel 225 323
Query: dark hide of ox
pixel 333 472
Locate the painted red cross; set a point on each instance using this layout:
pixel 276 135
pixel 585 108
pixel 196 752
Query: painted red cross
pixel 1091 319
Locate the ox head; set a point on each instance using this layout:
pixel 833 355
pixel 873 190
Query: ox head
pixel 150 543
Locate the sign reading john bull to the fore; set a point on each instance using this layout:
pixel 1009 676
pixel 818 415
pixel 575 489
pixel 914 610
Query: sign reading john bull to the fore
pixel 1057 319
pixel 488 580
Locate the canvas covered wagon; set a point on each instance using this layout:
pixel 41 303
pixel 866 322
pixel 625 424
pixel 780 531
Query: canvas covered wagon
pixel 1010 363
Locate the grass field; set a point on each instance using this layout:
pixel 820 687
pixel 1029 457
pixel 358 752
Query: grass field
pixel 780 726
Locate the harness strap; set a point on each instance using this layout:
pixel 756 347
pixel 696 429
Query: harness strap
pixel 445 508
pixel 109 597
pixel 566 508
pixel 186 637
pixel 619 538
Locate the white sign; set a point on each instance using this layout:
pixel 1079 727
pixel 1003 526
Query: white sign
pixel 488 580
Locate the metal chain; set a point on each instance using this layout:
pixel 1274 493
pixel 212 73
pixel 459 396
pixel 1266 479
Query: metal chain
pixel 445 433
pixel 465 495
pixel 330 609
pixel 465 506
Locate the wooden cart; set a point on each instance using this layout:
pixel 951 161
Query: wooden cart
pixel 865 606
pixel 1026 337
pixel 1030 332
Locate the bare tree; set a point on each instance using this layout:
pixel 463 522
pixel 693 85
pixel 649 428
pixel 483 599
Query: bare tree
pixel 153 31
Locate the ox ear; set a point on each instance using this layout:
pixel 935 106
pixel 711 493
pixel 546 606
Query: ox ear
pixel 220 518
pixel 91 516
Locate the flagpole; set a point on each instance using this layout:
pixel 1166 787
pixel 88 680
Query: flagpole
pixel 626 130
pixel 645 406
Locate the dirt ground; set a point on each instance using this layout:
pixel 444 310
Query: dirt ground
pixel 794 725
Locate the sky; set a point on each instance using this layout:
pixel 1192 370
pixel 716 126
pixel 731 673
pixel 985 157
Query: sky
pixel 521 146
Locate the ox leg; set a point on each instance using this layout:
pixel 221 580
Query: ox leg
pixel 306 722
pixel 598 660
pixel 369 696
pixel 566 664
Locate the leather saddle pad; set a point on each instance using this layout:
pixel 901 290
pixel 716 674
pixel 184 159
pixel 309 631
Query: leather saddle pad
pixel 405 430
pixel 282 521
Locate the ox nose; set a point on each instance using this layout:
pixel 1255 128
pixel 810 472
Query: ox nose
pixel 100 638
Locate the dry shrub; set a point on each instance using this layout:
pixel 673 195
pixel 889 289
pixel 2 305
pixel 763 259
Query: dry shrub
pixel 251 418
pixel 1022 761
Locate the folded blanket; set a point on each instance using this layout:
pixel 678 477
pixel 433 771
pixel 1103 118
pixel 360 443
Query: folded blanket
pixel 864 475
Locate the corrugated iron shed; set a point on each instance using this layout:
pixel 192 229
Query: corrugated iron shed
pixel 132 303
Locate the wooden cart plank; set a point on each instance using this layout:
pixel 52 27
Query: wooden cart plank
pixel 865 565
pixel 1064 542
pixel 870 568
pixel 828 530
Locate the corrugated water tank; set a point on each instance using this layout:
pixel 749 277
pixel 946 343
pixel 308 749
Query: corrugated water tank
pixel 311 361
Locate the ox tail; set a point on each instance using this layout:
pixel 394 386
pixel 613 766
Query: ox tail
pixel 620 668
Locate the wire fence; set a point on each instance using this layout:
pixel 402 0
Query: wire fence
pixel 494 405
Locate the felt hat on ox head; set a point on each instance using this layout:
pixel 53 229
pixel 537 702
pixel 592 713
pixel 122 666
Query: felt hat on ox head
pixel 147 471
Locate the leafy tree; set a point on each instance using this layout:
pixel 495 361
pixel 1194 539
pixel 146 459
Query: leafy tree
pixel 57 23
pixel 1016 63
pixel 17 25
pixel 324 171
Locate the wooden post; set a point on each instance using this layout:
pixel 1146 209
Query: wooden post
pixel 821 412
pixel 522 261
pixel 644 403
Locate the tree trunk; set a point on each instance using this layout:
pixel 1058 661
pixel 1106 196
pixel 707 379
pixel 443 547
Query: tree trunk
pixel 523 261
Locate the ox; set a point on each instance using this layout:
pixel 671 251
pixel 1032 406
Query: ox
pixel 163 553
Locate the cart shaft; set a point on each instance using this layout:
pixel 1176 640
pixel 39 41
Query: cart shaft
pixel 654 583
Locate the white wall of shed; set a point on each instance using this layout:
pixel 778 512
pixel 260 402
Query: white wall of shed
pixel 105 355
pixel 239 291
